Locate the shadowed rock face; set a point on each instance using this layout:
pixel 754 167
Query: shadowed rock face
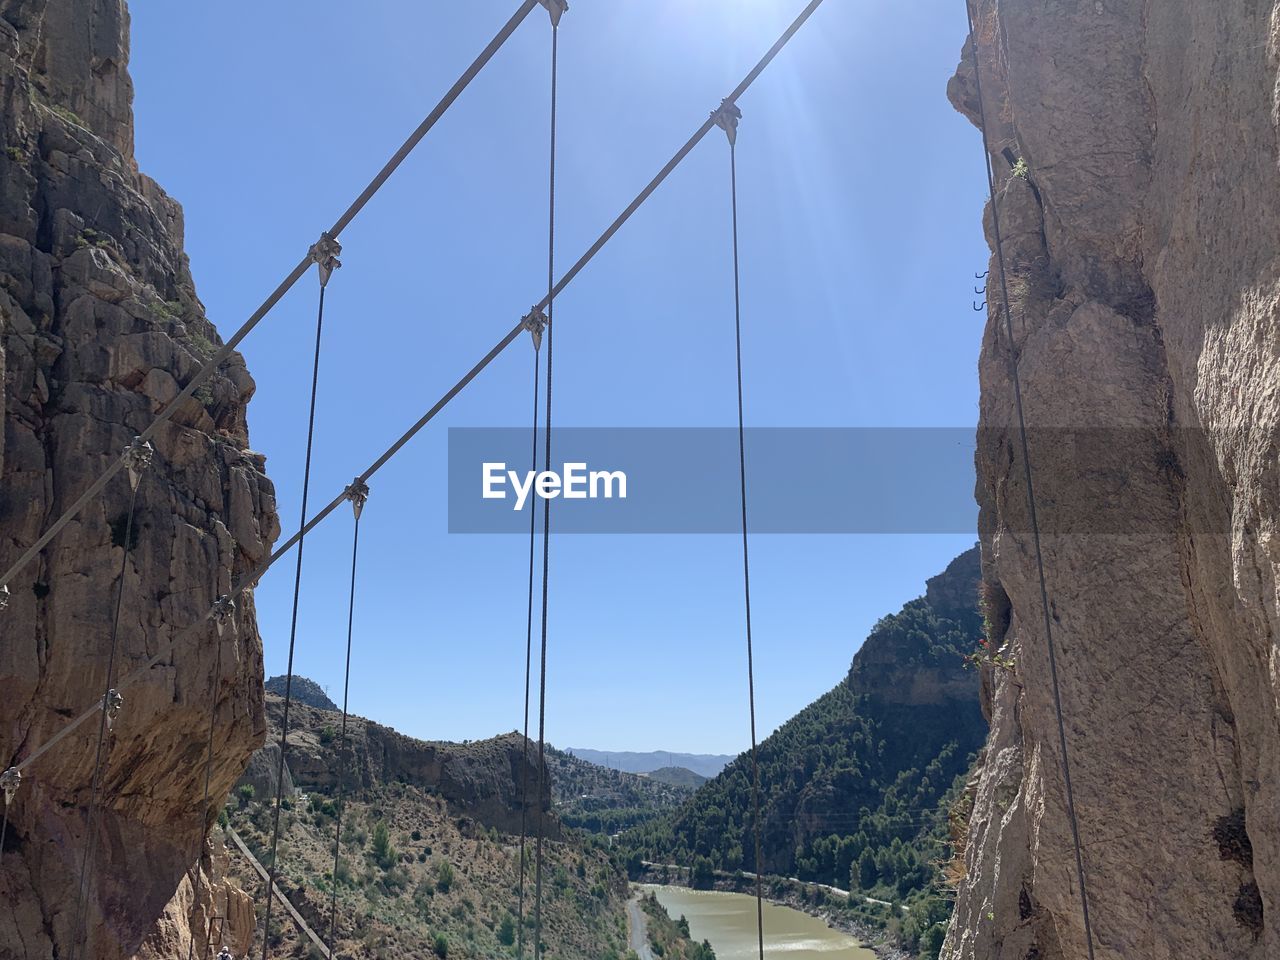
pixel 483 779
pixel 1143 250
pixel 100 328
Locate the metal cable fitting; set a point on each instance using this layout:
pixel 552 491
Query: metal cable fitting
pixel 358 493
pixel 223 612
pixel 324 254
pixel 137 457
pixel 10 781
pixel 535 321
pixel 4 595
pixel 556 8
pixel 726 118
pixel 113 702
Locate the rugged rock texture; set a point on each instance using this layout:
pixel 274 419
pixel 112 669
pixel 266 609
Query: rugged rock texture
pixel 99 328
pixel 481 779
pixel 303 691
pixel 1143 248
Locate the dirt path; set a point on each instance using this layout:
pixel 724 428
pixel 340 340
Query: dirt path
pixel 639 938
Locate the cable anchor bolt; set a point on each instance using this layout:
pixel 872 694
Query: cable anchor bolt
pixel 324 254
pixel 10 781
pixel 726 118
pixel 223 612
pixel 137 457
pixel 358 493
pixel 535 321
pixel 224 954
pixel 556 8
pixel 113 702
pixel 4 595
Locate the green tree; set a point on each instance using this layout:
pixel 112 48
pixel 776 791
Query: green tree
pixel 507 930
pixel 444 876
pixel 383 852
pixel 867 872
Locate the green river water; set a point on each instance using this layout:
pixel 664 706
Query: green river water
pixel 728 921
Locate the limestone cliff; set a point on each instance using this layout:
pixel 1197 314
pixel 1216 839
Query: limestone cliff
pixel 100 328
pixel 1135 147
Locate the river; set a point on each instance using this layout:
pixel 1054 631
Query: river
pixel 728 921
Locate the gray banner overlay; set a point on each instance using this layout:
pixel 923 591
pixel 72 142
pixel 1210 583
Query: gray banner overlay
pixel 822 480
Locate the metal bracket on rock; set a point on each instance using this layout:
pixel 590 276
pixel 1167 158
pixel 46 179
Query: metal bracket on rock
pixel 113 703
pixel 223 612
pixel 10 781
pixel 137 457
pixel 535 321
pixel 358 493
pixel 4 595
pixel 324 253
pixel 726 118
pixel 556 8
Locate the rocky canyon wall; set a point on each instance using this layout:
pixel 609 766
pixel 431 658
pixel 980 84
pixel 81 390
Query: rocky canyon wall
pixel 1136 148
pixel 100 328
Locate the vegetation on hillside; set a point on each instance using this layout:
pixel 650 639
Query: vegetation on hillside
pixel 416 879
pixel 855 788
pixel 670 939
pixel 597 799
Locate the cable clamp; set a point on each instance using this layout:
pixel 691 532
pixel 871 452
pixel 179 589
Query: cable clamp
pixel 726 118
pixel 137 457
pixel 556 8
pixel 4 595
pixel 535 321
pixel 358 493
pixel 324 253
pixel 223 612
pixel 113 702
pixel 10 781
pixel 224 954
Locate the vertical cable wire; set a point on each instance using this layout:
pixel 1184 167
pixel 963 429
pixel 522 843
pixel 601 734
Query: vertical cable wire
pixel 79 931
pixel 546 510
pixel 342 738
pixel 204 809
pixel 746 560
pixel 293 630
pixel 528 665
pixel 1031 496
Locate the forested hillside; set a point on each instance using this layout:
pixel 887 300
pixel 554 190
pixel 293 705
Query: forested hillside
pixel 853 786
pixel 599 800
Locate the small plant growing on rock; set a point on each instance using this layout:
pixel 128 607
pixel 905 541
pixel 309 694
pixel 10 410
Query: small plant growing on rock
pixel 245 794
pixel 987 654
pixel 1021 170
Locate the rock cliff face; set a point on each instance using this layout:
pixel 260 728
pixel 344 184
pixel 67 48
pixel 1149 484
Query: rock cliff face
pixel 99 329
pixel 1142 237
pixel 482 779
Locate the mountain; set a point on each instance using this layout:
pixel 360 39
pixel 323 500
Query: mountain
pixel 678 777
pixel 855 788
pixel 303 691
pixel 601 800
pixel 430 847
pixel 705 764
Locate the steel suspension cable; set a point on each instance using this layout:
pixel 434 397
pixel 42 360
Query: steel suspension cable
pixel 293 623
pixel 276 295
pixel 358 494
pixel 528 659
pixel 198 855
pixel 546 503
pixel 249 579
pixel 138 457
pixel 1031 496
pixel 727 117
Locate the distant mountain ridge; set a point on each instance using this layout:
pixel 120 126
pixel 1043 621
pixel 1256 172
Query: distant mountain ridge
pixel 302 690
pixel 630 761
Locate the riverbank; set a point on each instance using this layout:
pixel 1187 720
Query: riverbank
pixel 811 899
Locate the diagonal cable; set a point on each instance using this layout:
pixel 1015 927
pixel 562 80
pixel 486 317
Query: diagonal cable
pixel 224 352
pixel 1031 496
pixel 249 579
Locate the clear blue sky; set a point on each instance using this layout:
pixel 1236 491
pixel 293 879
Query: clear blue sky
pixel 860 194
